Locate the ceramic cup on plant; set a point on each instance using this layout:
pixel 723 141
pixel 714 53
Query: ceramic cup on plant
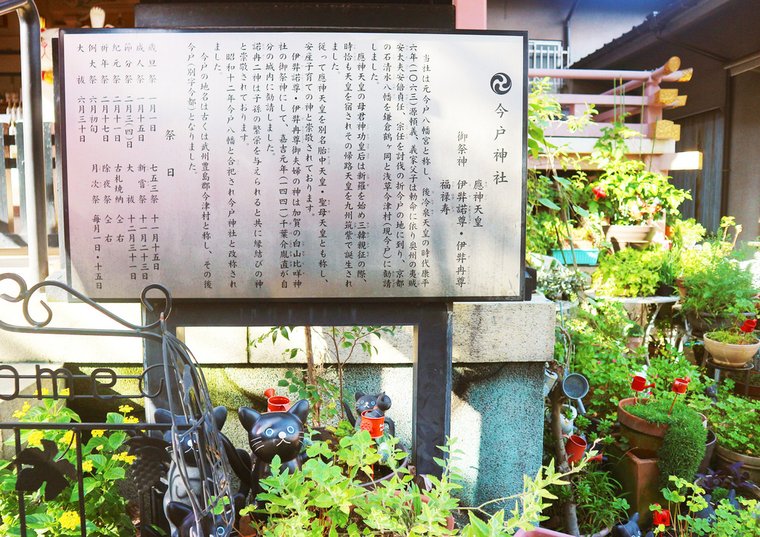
pixel 374 422
pixel 276 403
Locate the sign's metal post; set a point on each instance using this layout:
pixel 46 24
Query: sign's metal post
pixel 31 97
pixel 431 417
pixel 432 323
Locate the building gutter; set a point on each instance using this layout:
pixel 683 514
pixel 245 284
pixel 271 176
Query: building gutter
pixel 566 25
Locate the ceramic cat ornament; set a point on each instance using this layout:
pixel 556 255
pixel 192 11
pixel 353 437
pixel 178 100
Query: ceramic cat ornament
pixel 274 433
pixel 370 401
pixel 182 518
pixel 177 492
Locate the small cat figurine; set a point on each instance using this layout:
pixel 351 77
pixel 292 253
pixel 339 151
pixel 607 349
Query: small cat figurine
pixel 182 518
pixel 177 491
pixel 367 401
pixel 274 433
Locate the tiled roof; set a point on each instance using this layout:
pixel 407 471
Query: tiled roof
pixel 653 22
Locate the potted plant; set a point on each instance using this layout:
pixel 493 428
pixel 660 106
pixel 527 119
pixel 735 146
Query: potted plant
pixel 734 346
pixel 581 248
pixel 627 193
pixel 52 507
pixel 689 513
pixel 668 272
pixel 597 497
pixel 720 482
pixel 559 283
pixel 630 273
pixel 715 285
pixel 676 432
pixel 735 422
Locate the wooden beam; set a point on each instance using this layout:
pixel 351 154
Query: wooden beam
pixel 594 129
pixel 596 99
pixel 636 146
pixel 610 116
pixel 684 160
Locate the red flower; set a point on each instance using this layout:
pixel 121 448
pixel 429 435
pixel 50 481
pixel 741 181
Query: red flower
pixel 599 193
pixel 749 326
pixel 661 517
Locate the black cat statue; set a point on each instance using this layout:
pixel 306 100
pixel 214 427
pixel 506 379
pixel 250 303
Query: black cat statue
pixel 181 517
pixel 176 490
pixel 274 433
pixel 369 401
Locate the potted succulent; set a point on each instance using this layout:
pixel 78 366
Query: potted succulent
pixel 560 283
pixel 735 346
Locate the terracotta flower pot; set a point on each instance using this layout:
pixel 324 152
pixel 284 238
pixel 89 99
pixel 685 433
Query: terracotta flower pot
pixel 639 432
pixel 575 447
pixel 730 354
pixel 639 475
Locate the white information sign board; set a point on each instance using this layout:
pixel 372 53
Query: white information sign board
pixel 294 165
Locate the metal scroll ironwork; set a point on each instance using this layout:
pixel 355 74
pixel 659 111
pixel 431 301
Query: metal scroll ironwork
pixel 24 295
pixel 186 390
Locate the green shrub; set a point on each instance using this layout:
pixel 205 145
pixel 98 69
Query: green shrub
pixel 683 446
pixel 719 288
pixel 597 496
pixel 630 272
pixel 735 422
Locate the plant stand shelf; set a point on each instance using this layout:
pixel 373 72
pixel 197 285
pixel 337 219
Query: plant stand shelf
pixel 746 369
pixel 639 310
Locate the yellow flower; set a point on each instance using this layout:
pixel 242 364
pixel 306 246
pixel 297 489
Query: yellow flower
pixel 69 438
pixel 97 433
pixel 44 391
pixel 87 466
pixel 64 391
pixel 124 457
pixel 69 520
pixel 35 438
pixel 22 412
pixel 131 419
pixel 125 409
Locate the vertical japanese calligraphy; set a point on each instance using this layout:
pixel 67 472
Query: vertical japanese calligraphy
pixel 294 164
